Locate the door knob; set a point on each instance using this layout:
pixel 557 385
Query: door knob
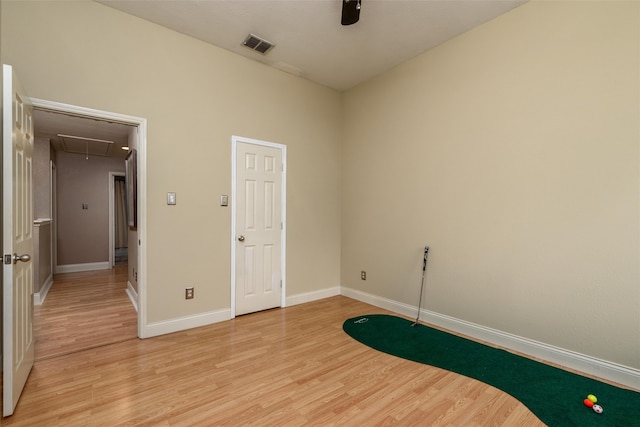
pixel 241 239
pixel 23 258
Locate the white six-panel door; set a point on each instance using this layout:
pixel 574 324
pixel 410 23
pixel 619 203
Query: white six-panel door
pixel 18 341
pixel 258 226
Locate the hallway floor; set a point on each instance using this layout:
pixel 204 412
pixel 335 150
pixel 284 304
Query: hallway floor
pixel 84 310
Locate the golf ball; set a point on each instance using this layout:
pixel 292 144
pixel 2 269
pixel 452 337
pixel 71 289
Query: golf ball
pixel 592 398
pixel 597 409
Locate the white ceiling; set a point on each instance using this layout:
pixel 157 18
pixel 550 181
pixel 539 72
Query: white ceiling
pixel 310 42
pixel 309 39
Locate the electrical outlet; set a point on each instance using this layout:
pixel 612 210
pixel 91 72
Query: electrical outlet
pixel 188 293
pixel 363 275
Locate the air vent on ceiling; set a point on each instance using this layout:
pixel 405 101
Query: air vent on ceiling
pixel 258 44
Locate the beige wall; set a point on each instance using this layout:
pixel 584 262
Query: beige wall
pixel 83 234
pixel 195 97
pixel 41 178
pixel 513 151
pixel 42 210
pixel 41 255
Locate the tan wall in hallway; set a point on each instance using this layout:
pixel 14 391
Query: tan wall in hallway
pixel 42 255
pixel 83 234
pixel 41 178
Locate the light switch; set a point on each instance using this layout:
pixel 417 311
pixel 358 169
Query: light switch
pixel 224 200
pixel 171 198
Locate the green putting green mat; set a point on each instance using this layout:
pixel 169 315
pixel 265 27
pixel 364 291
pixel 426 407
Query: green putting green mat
pixel 556 396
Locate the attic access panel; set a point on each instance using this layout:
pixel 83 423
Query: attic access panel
pixel 87 146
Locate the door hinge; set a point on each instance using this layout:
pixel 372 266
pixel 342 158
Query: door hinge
pixel 280 283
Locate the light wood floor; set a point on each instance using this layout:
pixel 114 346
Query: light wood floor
pixel 281 367
pixel 84 310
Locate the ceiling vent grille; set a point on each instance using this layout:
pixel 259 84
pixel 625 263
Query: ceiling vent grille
pixel 258 44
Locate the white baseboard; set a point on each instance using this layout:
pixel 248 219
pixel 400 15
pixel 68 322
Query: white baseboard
pixel 620 374
pixel 133 295
pixel 312 296
pixel 90 266
pixel 39 297
pixel 187 322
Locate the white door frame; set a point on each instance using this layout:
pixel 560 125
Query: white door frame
pixel 141 124
pixel 283 246
pixel 112 216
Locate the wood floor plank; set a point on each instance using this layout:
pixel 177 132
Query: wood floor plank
pixel 283 367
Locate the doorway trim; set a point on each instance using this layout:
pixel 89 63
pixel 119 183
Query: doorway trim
pixel 283 243
pixel 141 124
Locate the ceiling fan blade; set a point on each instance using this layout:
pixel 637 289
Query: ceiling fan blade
pixel 350 11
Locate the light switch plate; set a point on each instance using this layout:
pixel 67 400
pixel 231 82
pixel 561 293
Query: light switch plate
pixel 224 200
pixel 171 198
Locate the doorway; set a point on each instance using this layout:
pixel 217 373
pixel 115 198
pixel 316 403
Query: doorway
pixel 137 141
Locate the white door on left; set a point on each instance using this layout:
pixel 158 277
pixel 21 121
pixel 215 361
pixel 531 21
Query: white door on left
pixel 17 234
